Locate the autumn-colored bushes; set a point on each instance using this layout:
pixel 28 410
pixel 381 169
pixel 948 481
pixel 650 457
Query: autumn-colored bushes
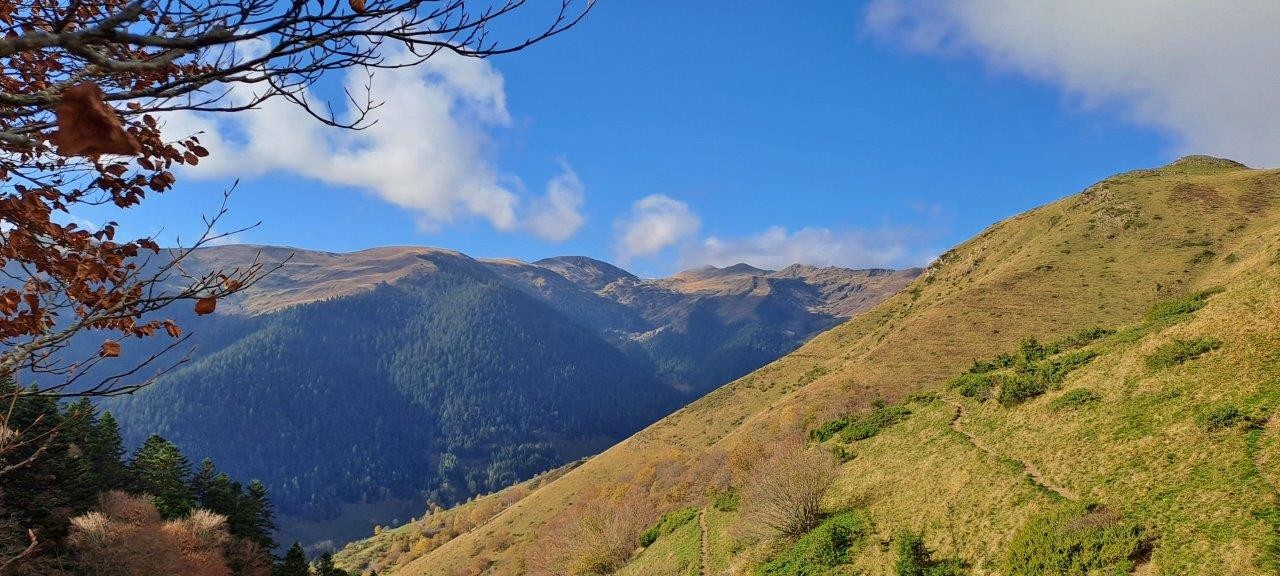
pixel 126 536
pixel 783 495
pixel 593 538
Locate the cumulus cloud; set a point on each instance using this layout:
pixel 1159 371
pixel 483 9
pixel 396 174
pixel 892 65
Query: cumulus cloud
pixel 656 222
pixel 558 215
pixel 777 248
pixel 428 152
pixel 1197 71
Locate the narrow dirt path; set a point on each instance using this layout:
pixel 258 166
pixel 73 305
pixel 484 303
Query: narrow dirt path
pixel 1030 468
pixel 706 553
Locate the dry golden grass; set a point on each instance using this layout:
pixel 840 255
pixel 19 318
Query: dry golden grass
pixel 1099 258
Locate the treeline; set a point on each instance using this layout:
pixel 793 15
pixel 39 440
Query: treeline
pixel 446 388
pixel 71 502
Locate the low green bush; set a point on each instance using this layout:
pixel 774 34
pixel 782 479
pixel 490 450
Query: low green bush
pixel 832 543
pixel 1086 337
pixel 913 558
pixel 972 385
pixel 727 500
pixel 867 426
pixel 826 431
pixel 1032 350
pixel 842 454
pixel 1077 540
pixel 667 524
pixel 1180 351
pixel 1034 379
pixel 1220 417
pixel 852 427
pixel 1171 309
pixel 1074 399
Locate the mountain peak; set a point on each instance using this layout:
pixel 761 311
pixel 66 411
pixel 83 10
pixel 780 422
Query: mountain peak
pixel 1204 164
pixel 709 271
pixel 584 271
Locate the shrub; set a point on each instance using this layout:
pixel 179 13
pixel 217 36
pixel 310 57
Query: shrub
pixel 1178 307
pixel 864 427
pixel 842 453
pixel 1075 541
pixel 1180 351
pixel 727 500
pixel 1220 417
pixel 826 431
pixel 127 535
pixel 1086 336
pixel 972 385
pixel 783 496
pixel 913 558
pixel 830 544
pixel 922 397
pixel 1019 388
pixel 1074 399
pixel 667 524
pixel 1031 350
pixel 595 536
pixel 1035 379
pixel 852 428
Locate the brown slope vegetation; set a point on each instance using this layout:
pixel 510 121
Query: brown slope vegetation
pixel 1100 257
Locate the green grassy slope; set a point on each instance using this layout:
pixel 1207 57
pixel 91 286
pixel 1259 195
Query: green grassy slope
pixel 1099 258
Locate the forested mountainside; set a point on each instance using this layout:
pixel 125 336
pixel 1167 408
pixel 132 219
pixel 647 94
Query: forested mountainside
pixel 1088 387
pixel 364 385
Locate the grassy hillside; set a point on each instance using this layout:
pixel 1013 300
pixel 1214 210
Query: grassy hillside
pixel 1146 448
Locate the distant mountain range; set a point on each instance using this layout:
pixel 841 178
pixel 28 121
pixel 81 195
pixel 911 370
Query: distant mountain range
pixel 358 385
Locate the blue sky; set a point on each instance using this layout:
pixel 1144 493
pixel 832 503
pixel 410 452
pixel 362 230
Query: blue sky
pixel 847 133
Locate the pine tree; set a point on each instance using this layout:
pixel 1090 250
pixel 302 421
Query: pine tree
pixel 159 469
pixel 43 492
pixel 293 564
pixel 325 567
pixel 264 515
pixel 105 450
pixel 78 420
pixel 202 484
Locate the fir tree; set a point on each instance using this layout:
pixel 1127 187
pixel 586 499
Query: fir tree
pixel 202 484
pixel 105 450
pixel 293 564
pixel 78 420
pixel 159 469
pixel 51 482
pixel 264 515
pixel 325 567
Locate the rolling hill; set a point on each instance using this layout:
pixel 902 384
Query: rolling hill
pixel 359 386
pixel 1087 387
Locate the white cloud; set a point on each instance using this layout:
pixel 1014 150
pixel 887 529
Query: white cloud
pixel 429 151
pixel 1198 71
pixel 777 248
pixel 656 222
pixel 558 215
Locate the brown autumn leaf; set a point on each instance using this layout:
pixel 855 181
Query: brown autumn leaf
pixel 357 5
pixel 206 306
pixel 88 127
pixel 110 349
